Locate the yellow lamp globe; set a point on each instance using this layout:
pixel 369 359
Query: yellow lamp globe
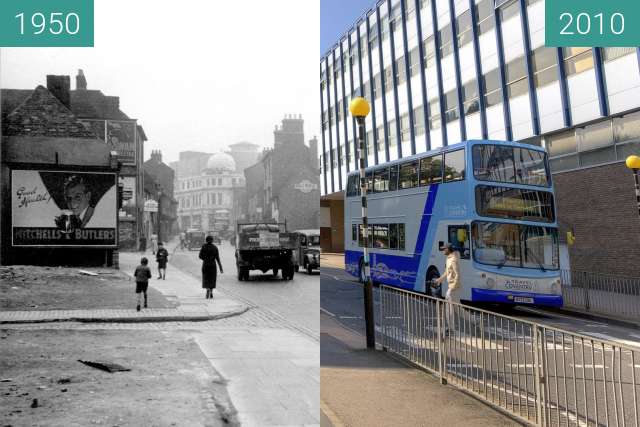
pixel 633 162
pixel 359 107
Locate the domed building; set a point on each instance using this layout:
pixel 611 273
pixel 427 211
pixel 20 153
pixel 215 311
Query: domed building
pixel 208 199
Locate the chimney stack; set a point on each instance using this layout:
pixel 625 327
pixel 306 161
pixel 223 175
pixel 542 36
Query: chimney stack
pixel 60 86
pixel 81 81
pixel 156 155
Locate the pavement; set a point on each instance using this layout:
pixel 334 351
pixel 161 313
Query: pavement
pixel 362 387
pixel 332 259
pixel 191 303
pixel 270 366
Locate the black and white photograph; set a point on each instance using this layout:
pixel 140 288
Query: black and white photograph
pixel 160 239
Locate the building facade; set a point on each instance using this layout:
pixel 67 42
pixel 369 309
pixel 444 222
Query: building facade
pixel 440 71
pixel 207 198
pixel 58 180
pixel 158 187
pixel 283 185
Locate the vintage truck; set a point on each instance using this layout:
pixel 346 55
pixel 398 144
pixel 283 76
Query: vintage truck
pixel 264 247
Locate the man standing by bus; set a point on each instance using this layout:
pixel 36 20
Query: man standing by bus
pixel 452 276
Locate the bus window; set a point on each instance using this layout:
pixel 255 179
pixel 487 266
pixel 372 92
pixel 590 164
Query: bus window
pixel 351 186
pixel 401 237
pixel 393 236
pixel 459 238
pixel 369 181
pixel 493 163
pixel 354 233
pixel 409 175
pixel 381 236
pixel 393 178
pixel 430 170
pixel 531 167
pixel 381 180
pixel 454 166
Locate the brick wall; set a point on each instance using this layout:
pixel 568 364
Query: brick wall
pixel 599 203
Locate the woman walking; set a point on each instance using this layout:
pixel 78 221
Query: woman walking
pixel 209 256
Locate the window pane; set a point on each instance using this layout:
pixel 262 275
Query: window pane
pixel 627 128
pixel 431 170
pixel 381 236
pixel 381 180
pixel 595 136
pixel 515 203
pixel 493 163
pixel 463 27
pixel 578 63
pixel 409 174
pixel 596 157
pixel 393 178
pixel 517 88
pixel 454 166
pixel 434 114
pixel 563 143
pixel 393 236
pixel 515 70
pixel 531 167
pixel 611 53
pixel 418 120
pixel 401 237
pixel 627 149
pixel 451 106
pixel 564 163
pixel 354 232
pixel 491 81
pixel 429 52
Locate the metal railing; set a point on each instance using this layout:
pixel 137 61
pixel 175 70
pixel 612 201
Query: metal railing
pixel 542 375
pixel 602 294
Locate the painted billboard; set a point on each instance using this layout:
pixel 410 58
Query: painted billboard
pixel 119 134
pixel 55 208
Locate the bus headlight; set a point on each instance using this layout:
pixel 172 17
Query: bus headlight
pixel 556 287
pixel 490 283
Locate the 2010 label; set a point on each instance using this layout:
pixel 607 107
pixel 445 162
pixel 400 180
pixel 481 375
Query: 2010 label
pixel 582 23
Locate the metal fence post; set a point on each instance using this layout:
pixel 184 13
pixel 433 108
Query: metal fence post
pixel 382 328
pixel 538 376
pixel 441 346
pixel 585 286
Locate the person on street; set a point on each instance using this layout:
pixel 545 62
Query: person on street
pixel 210 256
pixel 182 240
pixel 154 243
pixel 452 276
pixel 142 275
pixel 162 256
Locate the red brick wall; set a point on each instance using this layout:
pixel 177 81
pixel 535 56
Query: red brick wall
pixel 599 203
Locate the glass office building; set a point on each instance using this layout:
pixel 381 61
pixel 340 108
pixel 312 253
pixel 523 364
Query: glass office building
pixel 440 71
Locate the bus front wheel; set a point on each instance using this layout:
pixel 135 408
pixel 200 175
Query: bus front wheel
pixel 432 275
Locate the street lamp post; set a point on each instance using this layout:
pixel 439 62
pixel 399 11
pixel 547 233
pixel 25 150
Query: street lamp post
pixel 359 108
pixel 633 163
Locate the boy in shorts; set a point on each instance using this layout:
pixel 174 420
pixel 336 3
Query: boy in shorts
pixel 142 275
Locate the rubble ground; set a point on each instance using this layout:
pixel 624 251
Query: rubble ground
pixel 171 382
pixel 64 288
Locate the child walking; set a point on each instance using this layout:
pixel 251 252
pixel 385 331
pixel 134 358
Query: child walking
pixel 142 274
pixel 162 255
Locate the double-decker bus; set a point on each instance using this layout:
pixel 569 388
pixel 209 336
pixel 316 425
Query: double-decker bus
pixel 492 200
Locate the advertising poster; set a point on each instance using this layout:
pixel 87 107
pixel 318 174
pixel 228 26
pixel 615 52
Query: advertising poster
pixel 52 208
pixel 119 134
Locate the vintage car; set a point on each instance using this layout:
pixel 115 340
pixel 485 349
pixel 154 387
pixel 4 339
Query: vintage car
pixel 307 254
pixel 194 239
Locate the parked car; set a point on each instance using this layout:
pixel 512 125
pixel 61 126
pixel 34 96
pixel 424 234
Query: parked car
pixel 307 254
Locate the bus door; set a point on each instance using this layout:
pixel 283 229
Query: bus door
pixel 459 237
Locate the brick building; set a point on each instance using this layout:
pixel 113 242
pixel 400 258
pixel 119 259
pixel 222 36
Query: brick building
pixel 284 185
pixel 45 146
pixel 158 186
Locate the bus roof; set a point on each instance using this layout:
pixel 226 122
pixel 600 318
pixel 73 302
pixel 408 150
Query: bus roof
pixel 453 147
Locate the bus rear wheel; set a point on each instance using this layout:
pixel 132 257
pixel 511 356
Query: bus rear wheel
pixel 363 277
pixel 432 275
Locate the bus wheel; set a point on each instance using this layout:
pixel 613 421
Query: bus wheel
pixel 432 274
pixel 363 278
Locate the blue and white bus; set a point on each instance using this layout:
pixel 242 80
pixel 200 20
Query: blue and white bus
pixel 492 200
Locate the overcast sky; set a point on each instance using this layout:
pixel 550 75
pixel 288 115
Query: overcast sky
pixel 197 74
